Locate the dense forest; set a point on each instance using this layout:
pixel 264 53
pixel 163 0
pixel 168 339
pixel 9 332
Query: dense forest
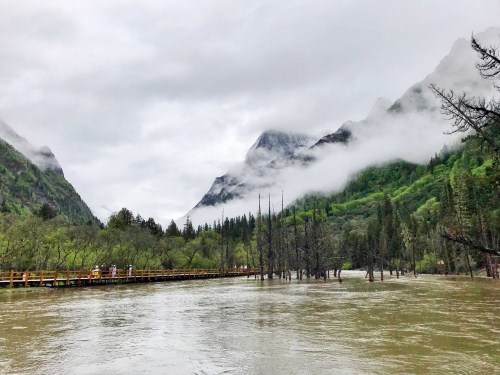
pixel 26 189
pixel 442 217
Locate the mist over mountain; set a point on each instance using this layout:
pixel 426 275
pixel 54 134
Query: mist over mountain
pixel 275 146
pixel 411 128
pixel 273 150
pixel 31 178
pixel 42 157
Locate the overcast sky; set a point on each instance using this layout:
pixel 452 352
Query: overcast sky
pixel 145 103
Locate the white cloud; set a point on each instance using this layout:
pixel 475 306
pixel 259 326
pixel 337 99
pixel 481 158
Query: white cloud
pixel 143 105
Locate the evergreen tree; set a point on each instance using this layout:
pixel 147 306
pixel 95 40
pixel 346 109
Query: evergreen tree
pixel 172 230
pixel 188 232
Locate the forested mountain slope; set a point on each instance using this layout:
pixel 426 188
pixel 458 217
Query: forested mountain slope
pixel 400 211
pixel 441 215
pixel 410 128
pixel 26 189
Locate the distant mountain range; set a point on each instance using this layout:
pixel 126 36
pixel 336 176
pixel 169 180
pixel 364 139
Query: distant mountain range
pixel 31 177
pixel 277 151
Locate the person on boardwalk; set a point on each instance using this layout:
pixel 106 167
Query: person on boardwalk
pixel 113 271
pixel 104 270
pixel 130 271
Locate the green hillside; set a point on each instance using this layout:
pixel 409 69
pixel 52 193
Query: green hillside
pixel 395 216
pixel 390 217
pixel 414 189
pixel 25 189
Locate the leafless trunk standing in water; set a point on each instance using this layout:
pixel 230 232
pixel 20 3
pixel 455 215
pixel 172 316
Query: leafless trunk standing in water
pixel 270 252
pixel 222 233
pixel 260 248
pixel 307 249
pixel 296 243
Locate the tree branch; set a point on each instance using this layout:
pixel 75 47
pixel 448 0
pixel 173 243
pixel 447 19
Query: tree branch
pixel 461 239
pixel 490 67
pixel 465 114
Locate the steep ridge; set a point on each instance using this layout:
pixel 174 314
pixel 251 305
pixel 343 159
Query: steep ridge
pixel 272 150
pixel 43 157
pixel 414 118
pixel 31 178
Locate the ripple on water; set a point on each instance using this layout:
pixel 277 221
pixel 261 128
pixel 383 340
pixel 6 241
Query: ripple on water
pixel 423 325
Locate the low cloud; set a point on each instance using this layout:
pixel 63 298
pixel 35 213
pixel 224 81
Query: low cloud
pixel 144 105
pixel 413 129
pixel 414 137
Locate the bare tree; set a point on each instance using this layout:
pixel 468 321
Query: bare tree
pixel 468 112
pixel 483 117
pixel 260 248
pixel 270 252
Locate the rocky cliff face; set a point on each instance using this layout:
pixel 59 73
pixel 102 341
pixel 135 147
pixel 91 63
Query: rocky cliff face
pixel 223 189
pixel 271 151
pixel 275 152
pixel 273 147
pixel 340 136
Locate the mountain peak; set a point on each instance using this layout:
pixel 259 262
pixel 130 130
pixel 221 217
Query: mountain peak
pixel 275 144
pixel 270 139
pixel 25 187
pixel 43 157
pixel 412 115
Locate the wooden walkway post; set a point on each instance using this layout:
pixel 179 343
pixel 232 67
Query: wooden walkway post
pixel 54 283
pixel 41 278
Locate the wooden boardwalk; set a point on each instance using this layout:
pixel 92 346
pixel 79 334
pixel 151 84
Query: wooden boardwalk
pixel 69 278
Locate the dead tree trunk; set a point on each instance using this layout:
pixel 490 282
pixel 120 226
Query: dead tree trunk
pixel 270 254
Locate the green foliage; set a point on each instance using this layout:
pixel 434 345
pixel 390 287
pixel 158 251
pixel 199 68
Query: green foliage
pixel 355 205
pixel 428 264
pixel 172 230
pixel 47 212
pixel 25 189
pixel 395 227
pixel 390 216
pixel 456 191
pixel 347 266
pixel 121 220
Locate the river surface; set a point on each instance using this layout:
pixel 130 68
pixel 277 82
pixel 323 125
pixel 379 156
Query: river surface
pixel 428 325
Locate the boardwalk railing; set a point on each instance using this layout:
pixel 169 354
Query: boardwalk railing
pixel 96 277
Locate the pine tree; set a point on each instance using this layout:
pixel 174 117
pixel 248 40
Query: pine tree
pixel 173 230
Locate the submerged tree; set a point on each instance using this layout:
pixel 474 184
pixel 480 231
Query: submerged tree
pixel 481 117
pixel 258 240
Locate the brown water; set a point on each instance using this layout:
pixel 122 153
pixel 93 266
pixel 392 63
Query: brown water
pixel 243 326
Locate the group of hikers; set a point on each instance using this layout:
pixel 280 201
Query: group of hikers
pixel 109 271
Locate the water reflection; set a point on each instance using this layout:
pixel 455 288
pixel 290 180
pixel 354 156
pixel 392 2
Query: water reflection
pixel 423 325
